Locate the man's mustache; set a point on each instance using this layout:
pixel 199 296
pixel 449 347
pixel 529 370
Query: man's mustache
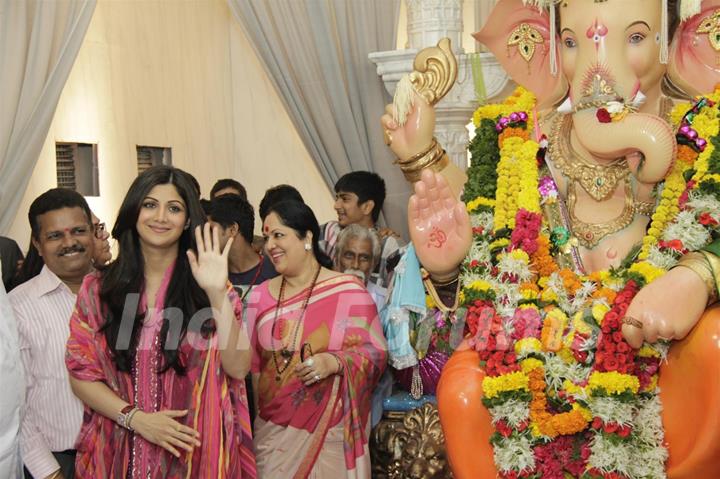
pixel 76 248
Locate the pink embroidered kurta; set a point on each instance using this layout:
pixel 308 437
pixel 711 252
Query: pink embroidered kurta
pixel 216 403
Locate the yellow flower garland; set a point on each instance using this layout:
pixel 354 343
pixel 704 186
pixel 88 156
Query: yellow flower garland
pixel 707 125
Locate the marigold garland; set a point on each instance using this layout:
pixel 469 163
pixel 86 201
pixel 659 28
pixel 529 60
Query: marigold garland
pixel 550 338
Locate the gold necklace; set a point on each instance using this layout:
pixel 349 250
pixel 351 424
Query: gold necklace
pixel 288 352
pixel 590 234
pixel 599 181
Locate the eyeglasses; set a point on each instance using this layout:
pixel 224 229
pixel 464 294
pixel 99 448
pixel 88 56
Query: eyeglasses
pixel 99 230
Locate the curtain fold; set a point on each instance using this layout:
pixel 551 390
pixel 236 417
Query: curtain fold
pixel 39 41
pixel 316 55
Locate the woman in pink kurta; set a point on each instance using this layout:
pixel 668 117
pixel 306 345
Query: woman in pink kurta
pixel 318 352
pixel 155 366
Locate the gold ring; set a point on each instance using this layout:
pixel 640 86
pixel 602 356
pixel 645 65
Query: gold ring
pixel 630 321
pixel 387 136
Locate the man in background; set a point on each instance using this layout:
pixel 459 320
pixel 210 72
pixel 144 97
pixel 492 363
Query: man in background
pixel 101 243
pixel 359 198
pixel 236 219
pixel 228 186
pixel 63 235
pixel 357 252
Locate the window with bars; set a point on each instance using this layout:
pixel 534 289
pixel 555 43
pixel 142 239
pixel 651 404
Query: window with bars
pixel 77 167
pixel 148 156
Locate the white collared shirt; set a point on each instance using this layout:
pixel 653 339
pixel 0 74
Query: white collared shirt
pixel 12 394
pixel 52 414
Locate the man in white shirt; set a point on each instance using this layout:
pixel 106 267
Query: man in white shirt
pixel 63 233
pixel 12 394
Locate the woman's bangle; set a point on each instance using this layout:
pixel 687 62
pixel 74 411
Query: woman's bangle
pixel 123 418
pixel 131 415
pixel 339 364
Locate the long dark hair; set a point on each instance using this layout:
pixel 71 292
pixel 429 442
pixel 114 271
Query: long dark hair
pixel 126 275
pixel 300 217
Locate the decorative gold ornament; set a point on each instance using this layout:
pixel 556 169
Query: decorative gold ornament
pixel 599 181
pixel 410 446
pixel 433 157
pixel 434 71
pixel 590 234
pixel 387 137
pixel 702 262
pixel 711 26
pixel 598 90
pixel 525 38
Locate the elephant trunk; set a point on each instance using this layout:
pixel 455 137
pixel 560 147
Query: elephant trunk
pixel 642 133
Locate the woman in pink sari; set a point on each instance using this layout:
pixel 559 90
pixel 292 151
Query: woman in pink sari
pixel 318 352
pixel 156 351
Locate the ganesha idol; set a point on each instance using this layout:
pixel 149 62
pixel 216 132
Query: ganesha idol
pixel 585 256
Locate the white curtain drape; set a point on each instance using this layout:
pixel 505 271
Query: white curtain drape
pixel 316 54
pixel 39 40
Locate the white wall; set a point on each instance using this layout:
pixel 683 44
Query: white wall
pixel 176 73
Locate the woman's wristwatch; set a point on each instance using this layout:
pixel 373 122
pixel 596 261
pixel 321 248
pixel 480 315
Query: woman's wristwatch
pixel 126 415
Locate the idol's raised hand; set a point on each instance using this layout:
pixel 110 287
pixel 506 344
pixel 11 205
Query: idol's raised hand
pixel 210 265
pixel 415 136
pixel 439 225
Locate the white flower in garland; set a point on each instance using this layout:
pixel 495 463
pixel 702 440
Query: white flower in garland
pixel 649 422
pixel 480 251
pixel 555 282
pixel 661 258
pixel 557 371
pixel 607 456
pixel 649 430
pixel 611 410
pixel 483 220
pixel 702 203
pixel 515 264
pixel 512 411
pixel 686 228
pixel 514 453
pixel 507 297
pixel 581 296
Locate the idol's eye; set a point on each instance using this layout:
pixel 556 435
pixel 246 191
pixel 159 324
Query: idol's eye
pixel 569 42
pixel 636 38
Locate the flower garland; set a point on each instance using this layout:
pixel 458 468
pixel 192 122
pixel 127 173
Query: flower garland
pixel 567 395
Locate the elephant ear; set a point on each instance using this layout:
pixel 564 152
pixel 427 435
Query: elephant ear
pixel 694 62
pixel 519 37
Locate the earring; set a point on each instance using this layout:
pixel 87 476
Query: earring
pixel 308 247
pixel 187 225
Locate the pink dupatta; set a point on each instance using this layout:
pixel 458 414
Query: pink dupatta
pixel 341 318
pixel 216 404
